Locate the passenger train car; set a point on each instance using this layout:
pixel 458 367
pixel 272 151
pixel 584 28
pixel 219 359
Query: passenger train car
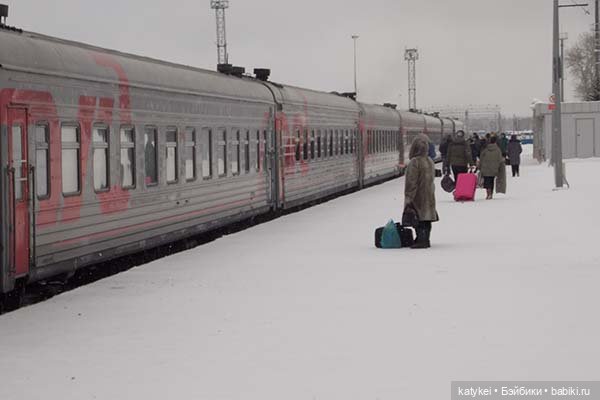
pixel 105 154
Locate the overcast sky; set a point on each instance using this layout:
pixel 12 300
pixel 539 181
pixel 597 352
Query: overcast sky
pixel 471 51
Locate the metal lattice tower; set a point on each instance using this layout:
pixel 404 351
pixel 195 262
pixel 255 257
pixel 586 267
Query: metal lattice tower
pixel 412 55
pixel 219 6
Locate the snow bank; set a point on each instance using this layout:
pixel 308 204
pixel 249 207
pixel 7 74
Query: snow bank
pixel 304 307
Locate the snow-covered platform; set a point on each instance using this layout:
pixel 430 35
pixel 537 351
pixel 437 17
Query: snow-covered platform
pixel 304 307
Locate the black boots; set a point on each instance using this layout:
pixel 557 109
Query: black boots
pixel 423 234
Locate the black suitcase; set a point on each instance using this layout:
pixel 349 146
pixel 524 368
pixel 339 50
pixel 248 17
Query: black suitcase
pixel 407 237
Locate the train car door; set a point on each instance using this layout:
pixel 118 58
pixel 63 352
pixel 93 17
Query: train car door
pixel 18 200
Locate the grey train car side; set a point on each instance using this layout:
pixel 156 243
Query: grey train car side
pixel 125 153
pixel 318 141
pixel 105 154
pixel 380 129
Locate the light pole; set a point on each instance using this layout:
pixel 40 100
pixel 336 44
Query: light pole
pixel 354 37
pixel 557 158
pixel 563 36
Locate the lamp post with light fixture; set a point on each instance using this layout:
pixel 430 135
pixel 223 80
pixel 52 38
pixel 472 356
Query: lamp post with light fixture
pixel 354 37
pixel 557 157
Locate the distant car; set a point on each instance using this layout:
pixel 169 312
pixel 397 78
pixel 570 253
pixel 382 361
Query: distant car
pixel 526 137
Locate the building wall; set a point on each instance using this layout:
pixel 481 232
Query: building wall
pixel 580 130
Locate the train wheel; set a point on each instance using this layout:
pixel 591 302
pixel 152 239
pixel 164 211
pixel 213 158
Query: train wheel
pixel 12 300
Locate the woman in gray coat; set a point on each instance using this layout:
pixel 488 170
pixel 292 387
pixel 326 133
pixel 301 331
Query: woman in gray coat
pixel 514 154
pixel 419 190
pixel 491 161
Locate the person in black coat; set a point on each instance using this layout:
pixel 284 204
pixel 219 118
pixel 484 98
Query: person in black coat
pixel 514 150
pixel 475 146
pixel 444 153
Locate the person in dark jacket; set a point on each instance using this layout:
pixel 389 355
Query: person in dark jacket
pixel 475 144
pixel 459 155
pixel 490 163
pixel 419 191
pixel 503 144
pixel 514 154
pixel 432 154
pixel 444 152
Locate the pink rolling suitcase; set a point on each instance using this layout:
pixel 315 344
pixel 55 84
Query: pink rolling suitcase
pixel 465 187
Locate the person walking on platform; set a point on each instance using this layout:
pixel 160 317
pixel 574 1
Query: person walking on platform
pixel 475 144
pixel 503 144
pixel 459 155
pixel 514 154
pixel 419 191
pixel 490 163
pixel 444 152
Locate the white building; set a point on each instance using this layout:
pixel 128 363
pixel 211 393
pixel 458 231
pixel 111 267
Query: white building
pixel 580 130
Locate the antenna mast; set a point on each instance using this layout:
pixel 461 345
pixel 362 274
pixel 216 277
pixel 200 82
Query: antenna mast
pixel 219 6
pixel 412 55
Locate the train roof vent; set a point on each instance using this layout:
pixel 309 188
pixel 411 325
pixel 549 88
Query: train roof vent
pixel 3 13
pixel 3 16
pixel 238 71
pixel 390 105
pixel 224 68
pixel 262 74
pixel 350 95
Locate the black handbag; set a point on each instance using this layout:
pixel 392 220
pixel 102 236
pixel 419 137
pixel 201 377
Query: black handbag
pixel 410 217
pixel 448 184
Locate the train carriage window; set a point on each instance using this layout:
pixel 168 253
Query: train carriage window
pixel 150 156
pixel 341 142
pixel 171 155
pixel 222 153
pixel 257 151
pixel 372 142
pixel 206 148
pixel 247 152
pixel 318 143
pixel 297 140
pixel 312 144
pixel 235 162
pixel 351 142
pixel 387 141
pixel 305 144
pixel 331 143
pixel 347 142
pixel 325 143
pixel 264 147
pixel 336 146
pixel 100 149
pixel 42 161
pixel 190 154
pixel 375 142
pixel 127 157
pixel 70 159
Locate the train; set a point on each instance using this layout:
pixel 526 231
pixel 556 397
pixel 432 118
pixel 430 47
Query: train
pixel 106 154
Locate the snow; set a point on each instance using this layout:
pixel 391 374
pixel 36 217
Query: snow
pixel 304 307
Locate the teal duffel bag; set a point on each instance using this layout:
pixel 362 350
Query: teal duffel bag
pixel 390 238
